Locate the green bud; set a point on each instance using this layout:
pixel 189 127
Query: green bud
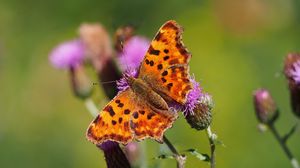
pixel 201 116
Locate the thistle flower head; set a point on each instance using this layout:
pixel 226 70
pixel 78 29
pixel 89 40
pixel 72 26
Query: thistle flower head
pixel 265 107
pixel 122 84
pixel 133 52
pixel 200 118
pixel 67 54
pixel 295 72
pixel 292 74
pixel 193 97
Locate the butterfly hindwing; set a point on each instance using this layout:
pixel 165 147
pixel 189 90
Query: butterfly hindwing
pixel 165 66
pixel 113 122
pixel 127 117
pixel 148 122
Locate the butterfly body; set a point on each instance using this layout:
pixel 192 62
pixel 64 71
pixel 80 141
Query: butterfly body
pixel 144 92
pixel 142 110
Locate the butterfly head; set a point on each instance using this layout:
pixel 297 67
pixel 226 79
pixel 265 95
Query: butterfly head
pixel 130 79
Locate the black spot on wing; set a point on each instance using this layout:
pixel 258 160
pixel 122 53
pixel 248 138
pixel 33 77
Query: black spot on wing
pixel 135 115
pixel 165 73
pixel 142 112
pixel 120 120
pixel 166 57
pixel 163 80
pixel 152 51
pixel 127 111
pixel 159 66
pixel 110 110
pixel 151 63
pixel 169 85
pixel 150 115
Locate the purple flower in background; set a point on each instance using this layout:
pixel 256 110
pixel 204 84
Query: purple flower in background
pixel 133 153
pixel 265 107
pixel 292 74
pixel 295 73
pixel 67 54
pixel 133 52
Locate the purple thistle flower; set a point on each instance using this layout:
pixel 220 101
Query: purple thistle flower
pixel 193 98
pixel 197 110
pixel 292 73
pixel 122 84
pixel 295 73
pixel 67 54
pixel 133 52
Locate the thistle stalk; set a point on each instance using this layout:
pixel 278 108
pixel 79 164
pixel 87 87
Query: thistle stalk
pixel 179 158
pixel 211 137
pixel 286 150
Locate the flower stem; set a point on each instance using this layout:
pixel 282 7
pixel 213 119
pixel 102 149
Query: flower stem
pixel 179 158
pixel 211 138
pixel 90 105
pixel 284 147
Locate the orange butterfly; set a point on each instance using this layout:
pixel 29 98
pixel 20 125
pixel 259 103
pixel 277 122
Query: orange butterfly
pixel 142 110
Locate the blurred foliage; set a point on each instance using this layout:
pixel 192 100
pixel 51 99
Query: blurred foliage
pixel 237 46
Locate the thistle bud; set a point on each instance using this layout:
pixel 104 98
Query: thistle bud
pixel 99 51
pixel 133 153
pixel 292 74
pixel 114 155
pixel 201 116
pixel 265 107
pixel 122 35
pixel 81 84
pixel 97 44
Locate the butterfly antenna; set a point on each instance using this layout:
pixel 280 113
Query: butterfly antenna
pixel 106 82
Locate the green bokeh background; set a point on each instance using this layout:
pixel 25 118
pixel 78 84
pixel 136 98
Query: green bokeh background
pixel 237 46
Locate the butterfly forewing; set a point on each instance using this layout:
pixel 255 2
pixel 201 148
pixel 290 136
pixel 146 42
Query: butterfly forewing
pixel 165 66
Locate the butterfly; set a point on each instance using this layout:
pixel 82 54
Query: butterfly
pixel 142 110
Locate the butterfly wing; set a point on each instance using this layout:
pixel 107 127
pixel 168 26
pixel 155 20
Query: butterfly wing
pixel 148 122
pixel 165 66
pixel 113 121
pixel 127 117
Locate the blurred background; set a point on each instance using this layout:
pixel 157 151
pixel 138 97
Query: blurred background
pixel 237 46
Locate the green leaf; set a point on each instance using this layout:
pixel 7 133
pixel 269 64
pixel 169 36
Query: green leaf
pixel 200 156
pixel 163 156
pixel 219 142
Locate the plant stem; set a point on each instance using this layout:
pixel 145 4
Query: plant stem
pixel 179 158
pixel 284 147
pixel 211 138
pixel 90 105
